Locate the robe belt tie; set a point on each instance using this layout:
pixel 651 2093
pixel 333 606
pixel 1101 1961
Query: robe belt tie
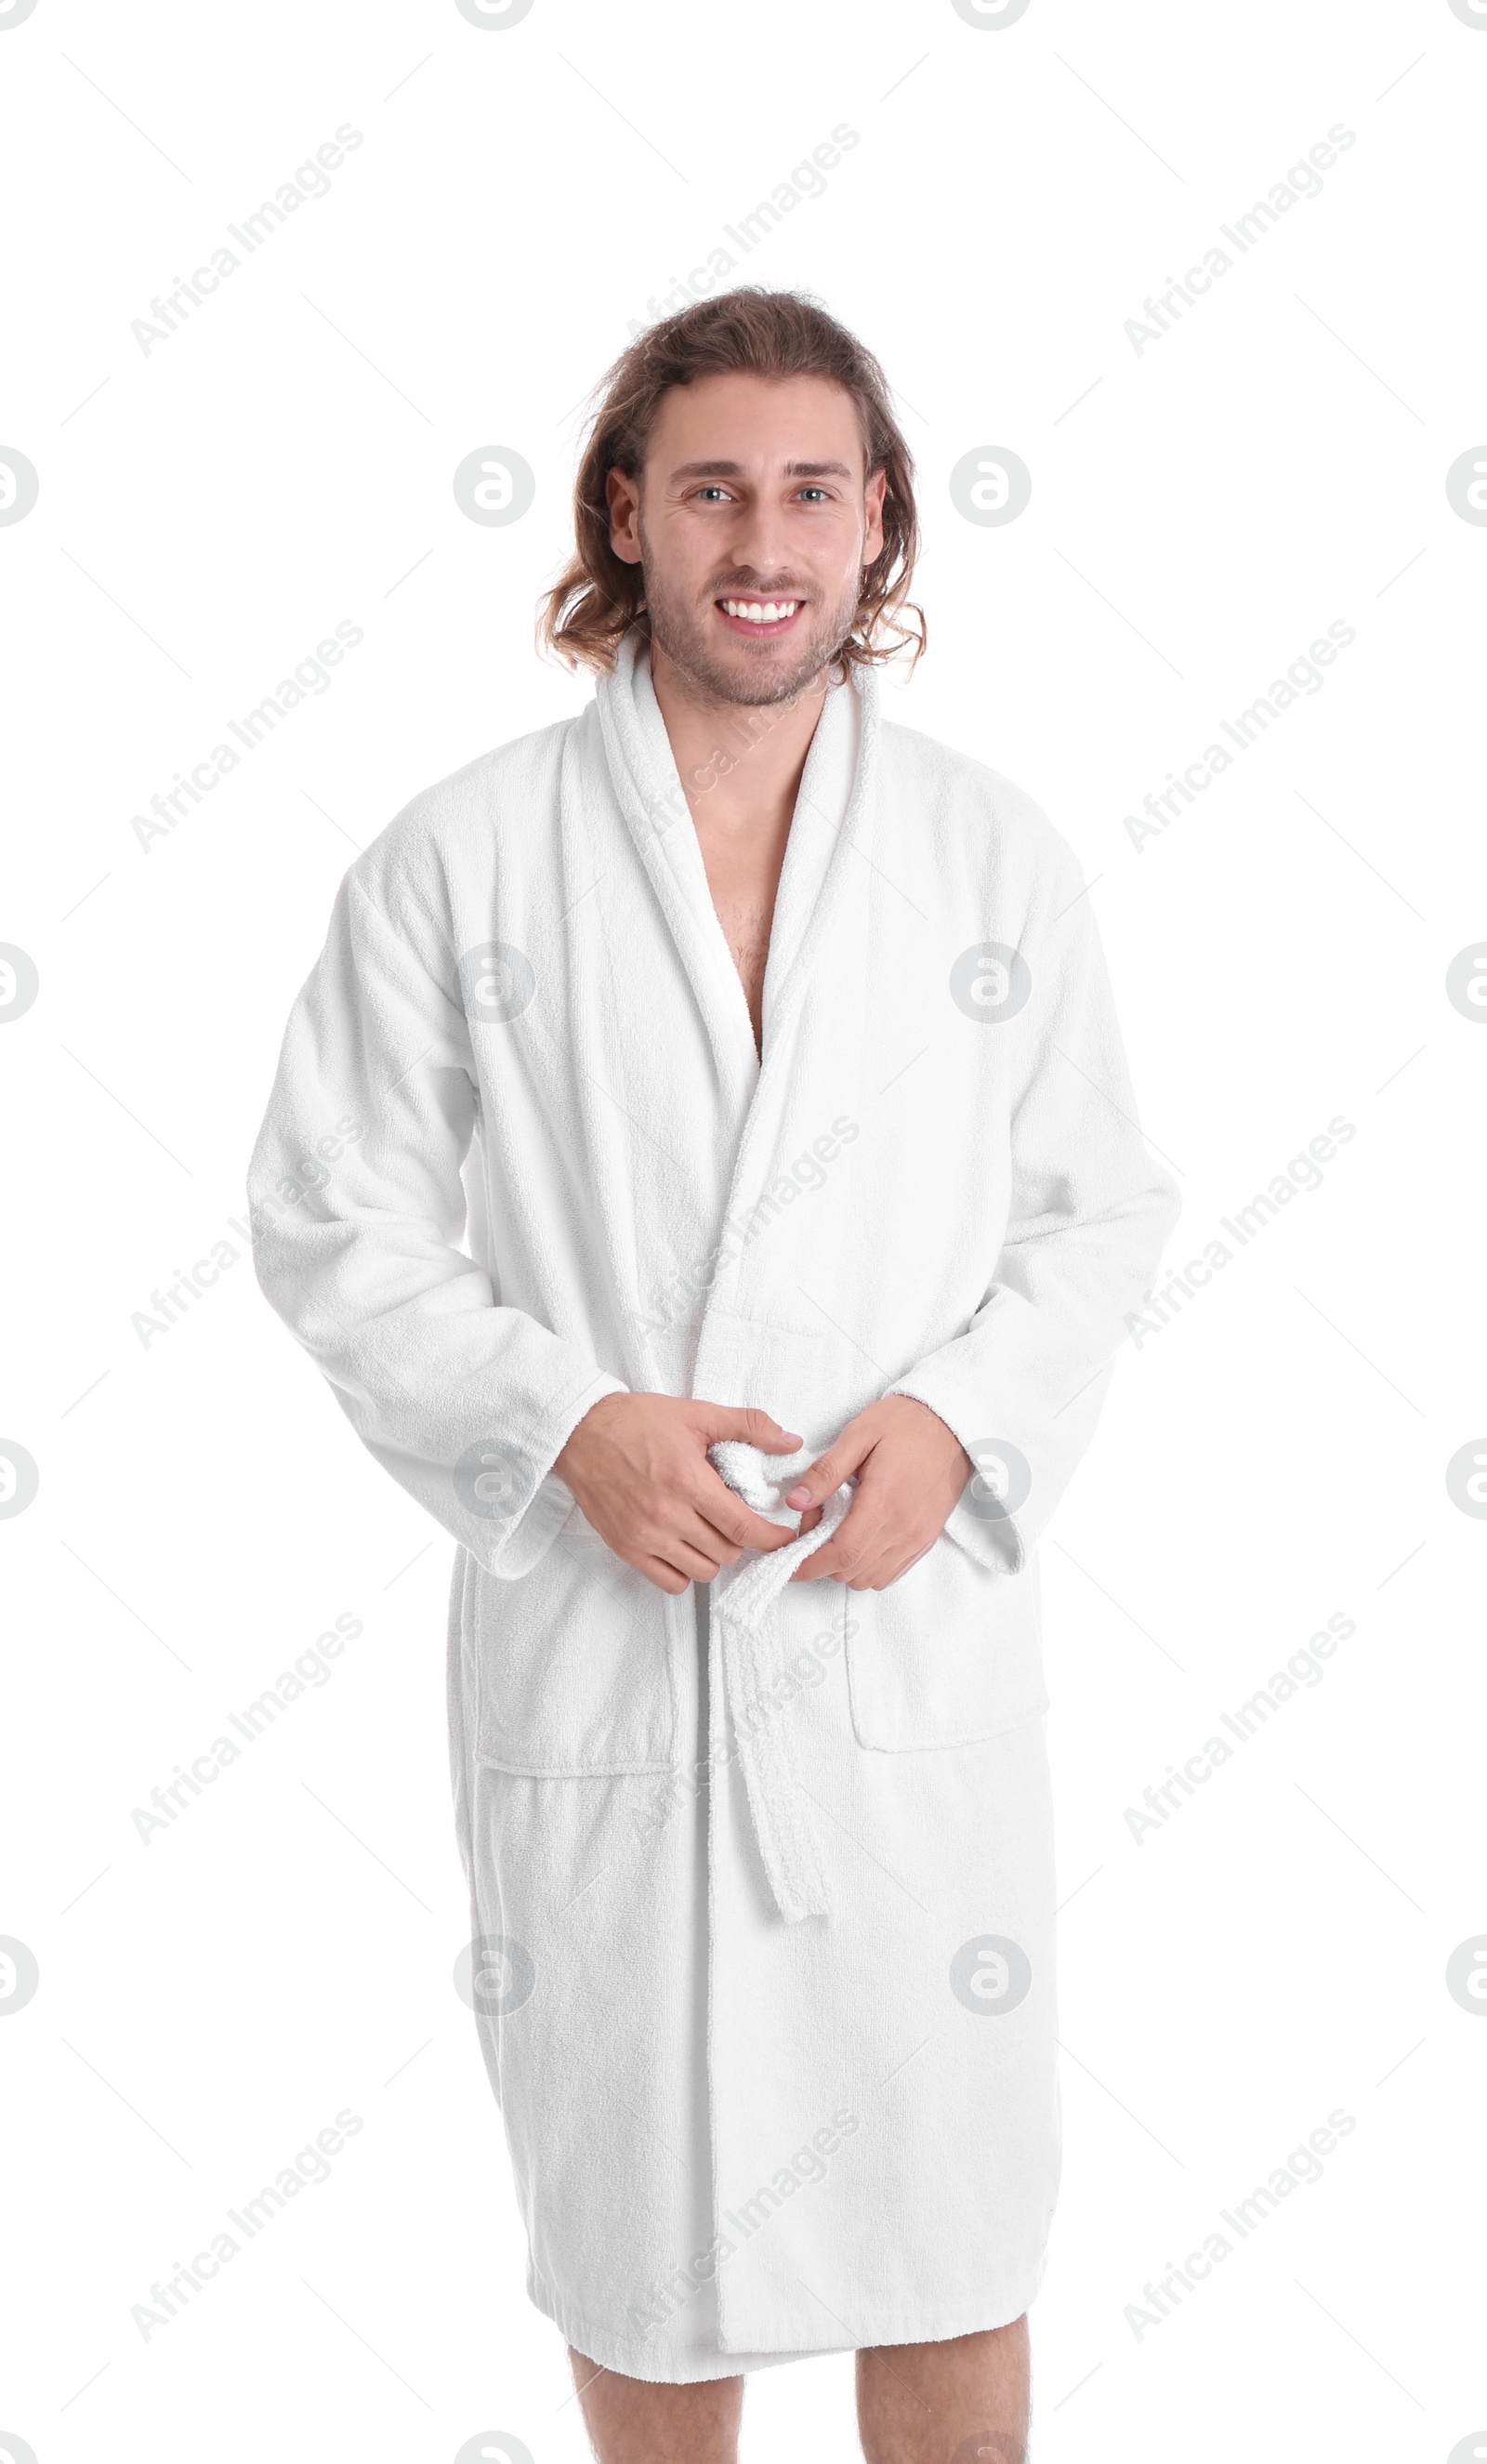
pixel 746 1602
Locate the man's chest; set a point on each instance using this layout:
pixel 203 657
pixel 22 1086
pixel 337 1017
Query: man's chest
pixel 743 882
pixel 745 920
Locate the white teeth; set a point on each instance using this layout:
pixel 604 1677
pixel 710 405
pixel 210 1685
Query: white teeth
pixel 753 613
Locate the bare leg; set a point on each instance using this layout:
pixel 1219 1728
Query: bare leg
pixel 635 2421
pixel 960 2402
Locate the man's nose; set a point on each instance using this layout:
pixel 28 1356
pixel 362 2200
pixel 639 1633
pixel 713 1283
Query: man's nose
pixel 761 543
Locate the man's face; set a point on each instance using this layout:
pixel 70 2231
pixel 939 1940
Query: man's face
pixel 752 499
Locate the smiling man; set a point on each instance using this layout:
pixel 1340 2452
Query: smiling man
pixel 733 1259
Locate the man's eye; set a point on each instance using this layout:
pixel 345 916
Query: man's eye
pixel 819 492
pixel 712 492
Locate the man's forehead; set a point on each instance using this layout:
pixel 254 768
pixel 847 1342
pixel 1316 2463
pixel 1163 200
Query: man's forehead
pixel 741 424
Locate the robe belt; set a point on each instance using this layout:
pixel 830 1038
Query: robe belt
pixel 746 1602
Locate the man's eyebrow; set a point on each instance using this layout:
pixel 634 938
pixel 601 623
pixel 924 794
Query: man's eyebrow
pixel 735 470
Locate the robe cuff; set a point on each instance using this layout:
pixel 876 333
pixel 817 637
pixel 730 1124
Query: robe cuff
pixel 978 1521
pixel 520 1544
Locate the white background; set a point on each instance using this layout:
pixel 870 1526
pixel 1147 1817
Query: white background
pixel 1201 511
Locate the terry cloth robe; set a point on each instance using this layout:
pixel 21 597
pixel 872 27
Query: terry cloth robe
pixel 762 1953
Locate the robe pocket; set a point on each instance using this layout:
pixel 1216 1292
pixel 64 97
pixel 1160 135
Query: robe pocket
pixel 947 1656
pixel 573 1666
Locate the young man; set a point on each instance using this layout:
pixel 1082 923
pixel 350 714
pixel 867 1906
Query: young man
pixel 762 1055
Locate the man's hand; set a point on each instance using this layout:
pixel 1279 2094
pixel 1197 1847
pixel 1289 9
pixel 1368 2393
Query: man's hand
pixel 910 1471
pixel 638 1466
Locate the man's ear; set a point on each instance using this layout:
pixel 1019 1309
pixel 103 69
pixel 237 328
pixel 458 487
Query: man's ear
pixel 624 496
pixel 872 507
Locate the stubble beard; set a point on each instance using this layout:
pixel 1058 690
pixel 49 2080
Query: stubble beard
pixel 681 634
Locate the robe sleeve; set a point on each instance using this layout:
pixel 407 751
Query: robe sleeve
pixel 357 1205
pixel 1090 1213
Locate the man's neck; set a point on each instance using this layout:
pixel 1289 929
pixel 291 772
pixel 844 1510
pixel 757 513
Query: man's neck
pixel 739 763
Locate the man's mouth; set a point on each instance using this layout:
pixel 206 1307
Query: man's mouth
pixel 759 618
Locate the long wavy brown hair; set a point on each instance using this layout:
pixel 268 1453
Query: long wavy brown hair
pixel 598 596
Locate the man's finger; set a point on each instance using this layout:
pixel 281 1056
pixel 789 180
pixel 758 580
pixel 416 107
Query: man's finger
pixel 749 1427
pixel 690 1556
pixel 665 1578
pixel 825 1567
pixel 829 1470
pixel 855 1541
pixel 690 1531
pixel 725 1510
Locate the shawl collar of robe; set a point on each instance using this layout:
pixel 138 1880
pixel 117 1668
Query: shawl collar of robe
pixel 758 1111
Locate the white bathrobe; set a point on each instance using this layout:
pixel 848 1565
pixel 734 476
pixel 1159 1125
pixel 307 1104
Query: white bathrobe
pixel 763 1963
